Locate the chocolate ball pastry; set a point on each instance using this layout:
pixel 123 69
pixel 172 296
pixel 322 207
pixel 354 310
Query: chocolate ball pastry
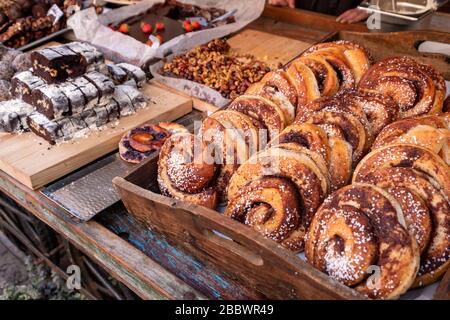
pixel 22 62
pixel 6 71
pixel 5 90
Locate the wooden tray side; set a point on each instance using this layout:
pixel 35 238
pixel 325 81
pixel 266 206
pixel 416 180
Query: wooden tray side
pixel 235 248
pixel 406 43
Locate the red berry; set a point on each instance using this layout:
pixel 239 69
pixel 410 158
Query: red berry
pixel 161 38
pixel 146 27
pixel 196 25
pixel 124 28
pixel 187 26
pixel 160 26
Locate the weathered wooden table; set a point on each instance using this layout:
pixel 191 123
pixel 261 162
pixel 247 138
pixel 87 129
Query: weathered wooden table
pixel 142 259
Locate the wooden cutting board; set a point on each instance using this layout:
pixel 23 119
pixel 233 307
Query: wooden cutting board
pixel 267 47
pixel 34 162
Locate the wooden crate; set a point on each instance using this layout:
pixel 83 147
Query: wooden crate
pixel 243 253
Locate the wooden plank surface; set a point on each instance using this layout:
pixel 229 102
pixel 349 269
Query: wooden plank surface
pixel 125 262
pixel 270 48
pixel 33 162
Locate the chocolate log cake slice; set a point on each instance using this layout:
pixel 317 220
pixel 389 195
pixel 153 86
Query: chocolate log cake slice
pixel 99 116
pixel 74 96
pixel 77 126
pixel 54 65
pixel 51 101
pixel 90 56
pixel 23 83
pixel 13 114
pixel 133 72
pixel 104 85
pixel 117 74
pixel 89 91
pixel 129 99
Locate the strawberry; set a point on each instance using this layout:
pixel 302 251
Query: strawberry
pixel 160 37
pixel 159 26
pixel 124 28
pixel 195 25
pixel 146 27
pixel 187 26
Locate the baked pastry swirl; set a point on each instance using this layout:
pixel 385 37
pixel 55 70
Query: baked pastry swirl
pixel 302 167
pixel 418 89
pixel 231 138
pixel 335 152
pixel 268 113
pixel 341 122
pixel 419 180
pixel 357 231
pixel 431 132
pixel 278 80
pixel 270 205
pixel 185 174
pixel 379 109
pixel 337 65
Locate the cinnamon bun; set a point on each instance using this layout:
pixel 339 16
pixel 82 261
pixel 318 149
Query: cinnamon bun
pixel 231 138
pixel 270 205
pixel 295 165
pixel 267 112
pixel 186 172
pixel 357 231
pixel 404 170
pixel 430 132
pixel 417 89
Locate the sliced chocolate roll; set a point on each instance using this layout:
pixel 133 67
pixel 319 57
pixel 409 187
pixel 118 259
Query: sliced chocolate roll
pixel 51 101
pixel 89 91
pixel 89 54
pixel 72 69
pixel 56 65
pixel 23 83
pixel 133 72
pixel 104 85
pixel 55 131
pixel 123 101
pixel 43 127
pixel 117 74
pixel 13 114
pixel 113 110
pixel 75 97
pixel 136 97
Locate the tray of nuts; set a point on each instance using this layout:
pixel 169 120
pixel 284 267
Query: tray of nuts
pixel 211 72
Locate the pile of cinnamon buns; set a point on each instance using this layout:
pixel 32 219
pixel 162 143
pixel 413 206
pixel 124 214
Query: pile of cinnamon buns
pixel 346 160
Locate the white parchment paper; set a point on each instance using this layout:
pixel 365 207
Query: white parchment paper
pixel 94 29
